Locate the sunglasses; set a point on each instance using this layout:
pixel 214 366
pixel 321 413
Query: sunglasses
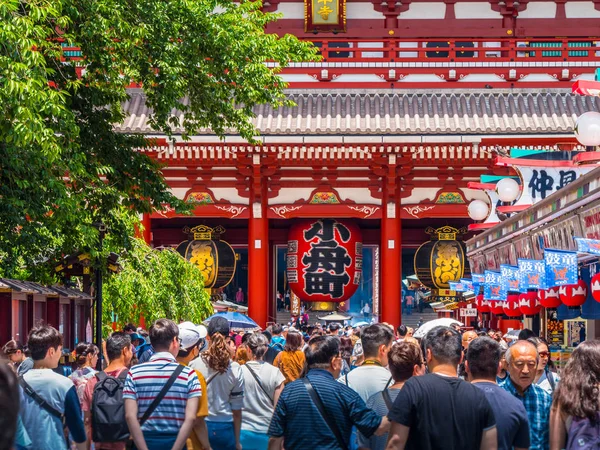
pixel 544 354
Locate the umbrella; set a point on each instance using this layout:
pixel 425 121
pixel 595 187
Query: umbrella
pixel 361 324
pixel 335 317
pixel 428 326
pixel 236 320
pixel 512 334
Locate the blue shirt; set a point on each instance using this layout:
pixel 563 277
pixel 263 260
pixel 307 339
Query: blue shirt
pixel 298 420
pixel 537 403
pixel 511 418
pixel 44 429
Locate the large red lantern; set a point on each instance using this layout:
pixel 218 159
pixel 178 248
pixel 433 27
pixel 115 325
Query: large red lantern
pixel 529 304
pixel 497 307
pixel 511 306
pixel 324 260
pixel 573 295
pixel 595 286
pixel 483 306
pixel 549 298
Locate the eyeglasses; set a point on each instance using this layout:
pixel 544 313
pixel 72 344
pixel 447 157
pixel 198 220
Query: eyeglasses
pixel 179 340
pixel 544 354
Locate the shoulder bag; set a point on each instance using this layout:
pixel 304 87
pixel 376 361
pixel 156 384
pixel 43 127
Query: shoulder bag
pixel 323 412
pixel 253 373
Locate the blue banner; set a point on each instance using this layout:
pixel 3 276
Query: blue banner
pixel 493 287
pixel 510 277
pixel 532 274
pixel 468 284
pixel 588 246
pixel 561 267
pixel 456 286
pixel 478 280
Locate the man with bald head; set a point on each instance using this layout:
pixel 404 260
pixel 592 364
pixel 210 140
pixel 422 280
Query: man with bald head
pixel 467 337
pixel 522 360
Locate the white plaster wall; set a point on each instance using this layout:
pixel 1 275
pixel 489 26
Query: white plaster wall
pixel 290 195
pixel 359 195
pixel 475 194
pixel 475 10
pixel 361 11
pixel 539 10
pixel 229 194
pixel 179 192
pixel 581 10
pixel 420 195
pixel 426 10
pixel 292 10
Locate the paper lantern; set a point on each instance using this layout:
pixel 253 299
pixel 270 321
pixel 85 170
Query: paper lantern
pixel 529 303
pixel 324 260
pixel 549 298
pixel 595 286
pixel 442 259
pixel 497 307
pixel 587 128
pixel 507 190
pixel 483 306
pixel 478 210
pixel 573 295
pixel 215 258
pixel 511 306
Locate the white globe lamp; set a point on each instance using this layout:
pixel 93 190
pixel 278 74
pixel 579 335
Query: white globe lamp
pixel 478 210
pixel 587 129
pixel 507 190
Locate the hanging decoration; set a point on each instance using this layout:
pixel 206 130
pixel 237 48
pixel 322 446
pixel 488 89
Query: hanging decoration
pixel 494 287
pixel 573 295
pixel 561 267
pixel 324 260
pixel 510 277
pixel 549 298
pixel 529 304
pixel 588 246
pixel 532 274
pixel 595 286
pixel 325 16
pixel 483 306
pixel 215 258
pixel 497 308
pixel 511 306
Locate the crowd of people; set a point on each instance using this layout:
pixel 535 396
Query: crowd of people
pixel 340 388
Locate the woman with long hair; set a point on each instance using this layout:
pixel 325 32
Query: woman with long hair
pixel 86 356
pixel 263 384
pixel 225 384
pixel 291 360
pixel 346 348
pixel 576 399
pixel 546 377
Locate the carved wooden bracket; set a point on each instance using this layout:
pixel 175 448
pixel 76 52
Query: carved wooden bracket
pixel 391 9
pixel 509 9
pixel 270 5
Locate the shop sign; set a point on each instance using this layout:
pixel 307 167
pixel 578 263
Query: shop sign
pixel 590 222
pixel 556 330
pixel 561 267
pixel 493 288
pixel 325 16
pixel 540 182
pixel 510 277
pixel 588 246
pixel 532 273
pixel 468 312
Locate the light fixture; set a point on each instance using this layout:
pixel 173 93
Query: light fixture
pixel 507 190
pixel 587 129
pixel 478 210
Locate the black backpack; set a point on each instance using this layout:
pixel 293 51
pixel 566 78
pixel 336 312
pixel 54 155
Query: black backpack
pixel 108 409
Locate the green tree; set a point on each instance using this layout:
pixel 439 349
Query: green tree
pixel 155 284
pixel 62 165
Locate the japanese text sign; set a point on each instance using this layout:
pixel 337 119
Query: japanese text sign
pixel 493 287
pixel 588 246
pixel 532 274
pixel 510 277
pixel 561 267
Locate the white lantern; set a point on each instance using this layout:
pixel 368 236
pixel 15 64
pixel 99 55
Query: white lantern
pixel 587 128
pixel 507 190
pixel 478 210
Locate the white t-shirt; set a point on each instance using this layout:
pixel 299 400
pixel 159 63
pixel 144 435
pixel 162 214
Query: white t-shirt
pixel 367 380
pixel 225 391
pixel 258 408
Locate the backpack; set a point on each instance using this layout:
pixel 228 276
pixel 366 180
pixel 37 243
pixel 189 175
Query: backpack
pixel 108 409
pixel 277 346
pixel 584 434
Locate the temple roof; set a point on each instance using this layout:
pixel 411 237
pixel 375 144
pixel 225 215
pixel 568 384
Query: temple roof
pixel 498 112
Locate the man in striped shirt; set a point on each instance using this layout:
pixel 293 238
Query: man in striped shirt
pixel 172 421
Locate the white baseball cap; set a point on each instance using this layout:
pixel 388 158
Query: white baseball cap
pixel 191 334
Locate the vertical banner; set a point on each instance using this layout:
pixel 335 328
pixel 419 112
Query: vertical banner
pixel 325 15
pixel 510 277
pixel 478 281
pixel 561 267
pixel 588 246
pixel 467 284
pixel 532 274
pixel 294 304
pixel 493 287
pixel 456 286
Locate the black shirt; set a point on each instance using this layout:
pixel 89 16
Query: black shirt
pixel 443 413
pixel 270 355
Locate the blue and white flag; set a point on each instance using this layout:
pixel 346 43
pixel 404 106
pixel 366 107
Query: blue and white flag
pixel 468 284
pixel 510 277
pixel 493 287
pixel 478 280
pixel 561 267
pixel 532 274
pixel 456 286
pixel 588 246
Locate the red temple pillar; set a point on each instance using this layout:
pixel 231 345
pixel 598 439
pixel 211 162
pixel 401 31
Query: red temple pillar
pixel 258 253
pixel 147 232
pixel 391 262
